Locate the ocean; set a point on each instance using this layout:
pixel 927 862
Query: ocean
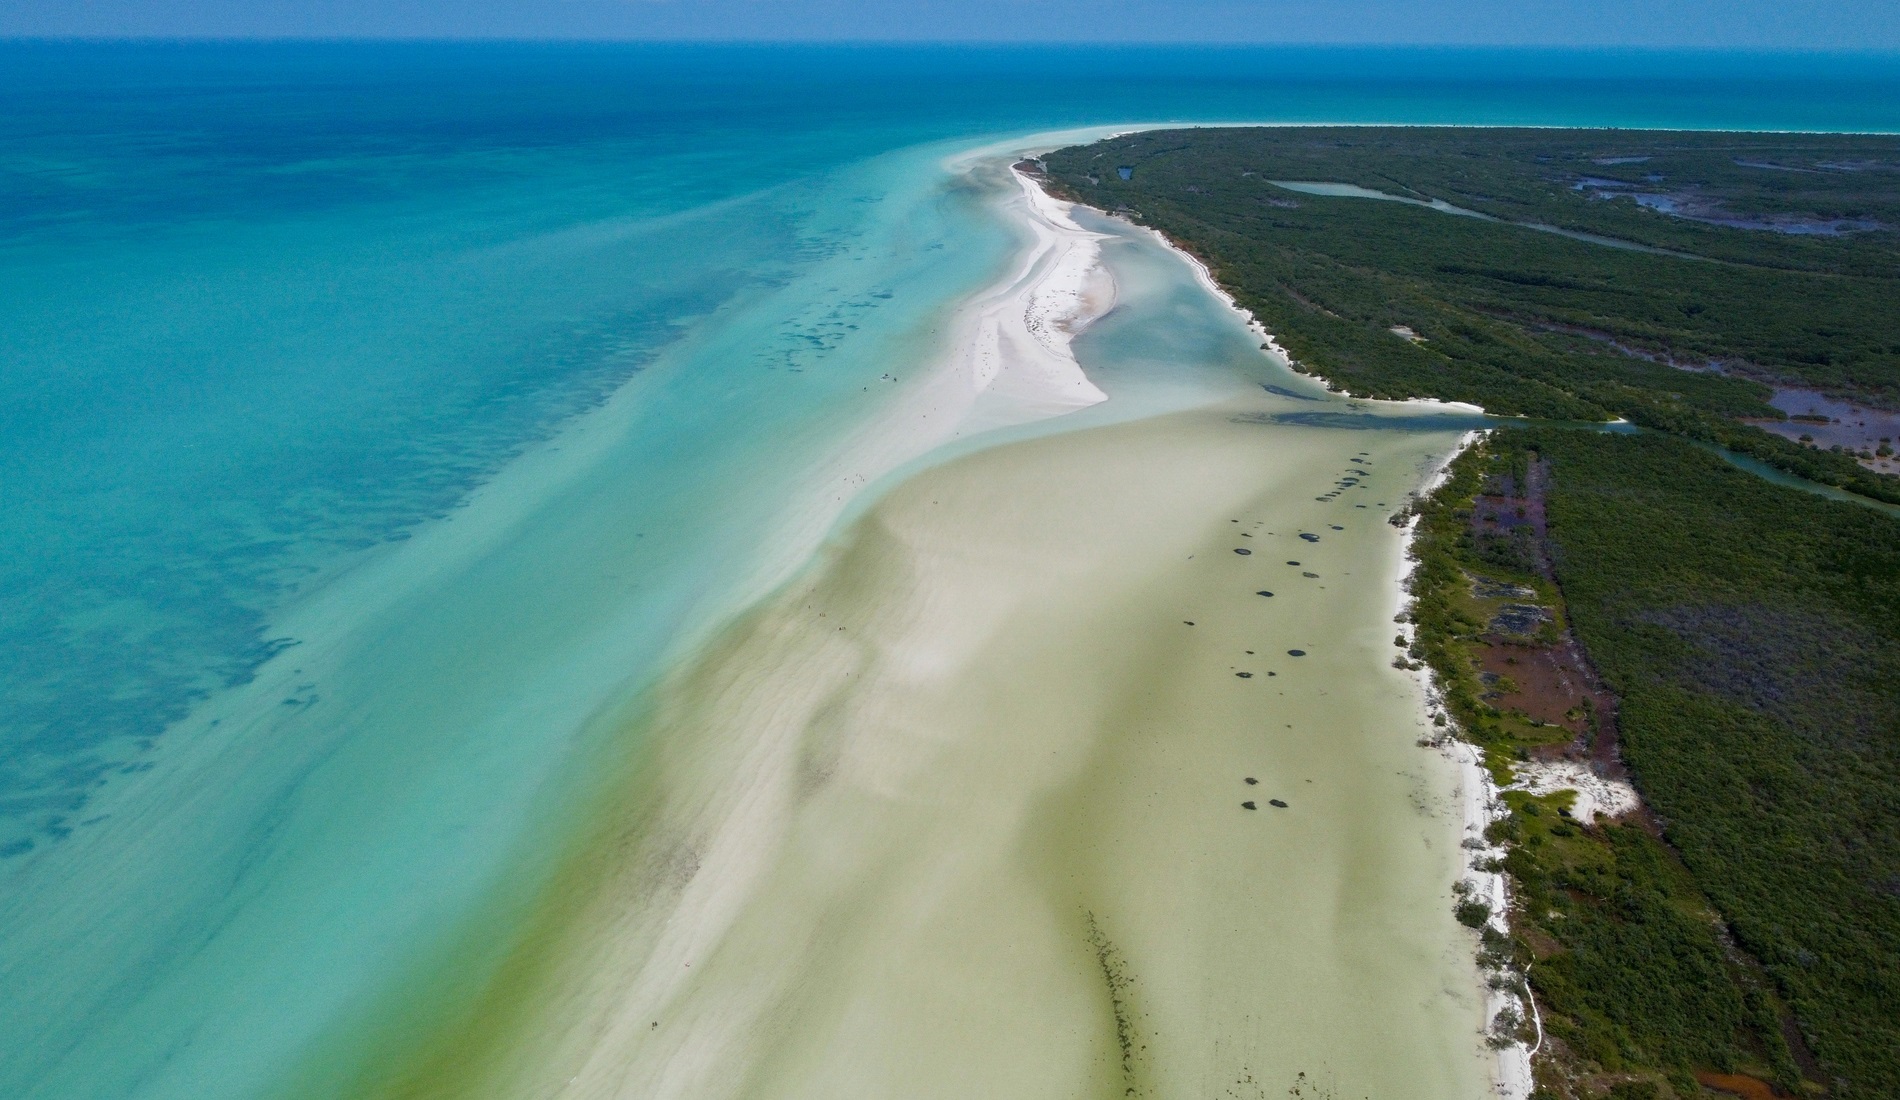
pixel 379 422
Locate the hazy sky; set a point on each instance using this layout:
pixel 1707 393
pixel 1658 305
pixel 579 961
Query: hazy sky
pixel 1808 24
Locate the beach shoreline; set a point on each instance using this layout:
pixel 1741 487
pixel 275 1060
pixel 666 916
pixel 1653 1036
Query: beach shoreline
pixel 822 805
pixel 748 597
pixel 836 846
pixel 1478 794
pixel 856 848
pixel 1479 802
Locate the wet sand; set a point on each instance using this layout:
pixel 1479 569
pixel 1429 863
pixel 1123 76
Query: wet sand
pixel 962 813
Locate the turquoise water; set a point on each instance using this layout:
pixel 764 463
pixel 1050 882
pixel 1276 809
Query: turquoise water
pixel 375 421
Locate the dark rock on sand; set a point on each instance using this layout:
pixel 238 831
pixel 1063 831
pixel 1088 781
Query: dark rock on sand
pixel 1251 781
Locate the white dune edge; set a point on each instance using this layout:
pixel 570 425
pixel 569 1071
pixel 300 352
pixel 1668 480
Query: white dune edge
pixel 1481 807
pixel 1480 804
pixel 1007 362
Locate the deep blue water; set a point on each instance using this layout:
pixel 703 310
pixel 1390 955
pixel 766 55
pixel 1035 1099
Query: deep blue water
pixel 265 308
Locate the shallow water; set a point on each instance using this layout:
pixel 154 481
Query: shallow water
pixel 1841 423
pixel 379 421
pixel 961 809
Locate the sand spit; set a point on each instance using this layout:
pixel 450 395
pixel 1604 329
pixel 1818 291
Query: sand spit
pixel 962 814
pixel 1020 790
pixel 1010 361
pixel 1005 361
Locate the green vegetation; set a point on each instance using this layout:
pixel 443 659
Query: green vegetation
pixel 1752 636
pixel 1743 639
pixel 1625 957
pixel 1533 323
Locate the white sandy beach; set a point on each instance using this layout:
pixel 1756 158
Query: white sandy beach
pixel 1475 792
pixel 987 802
pixel 1479 806
pixel 947 818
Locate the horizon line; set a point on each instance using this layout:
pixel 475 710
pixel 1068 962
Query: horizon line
pixel 1888 52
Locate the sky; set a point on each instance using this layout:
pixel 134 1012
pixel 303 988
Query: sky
pixel 1716 24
